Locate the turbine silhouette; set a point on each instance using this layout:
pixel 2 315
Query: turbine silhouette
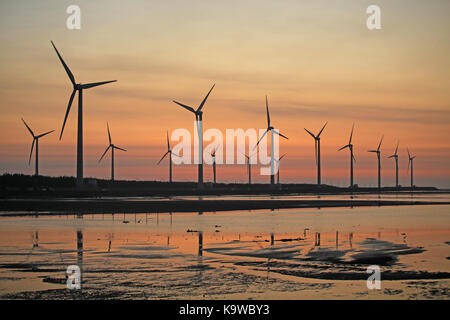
pixel 213 155
pixel 169 152
pixel 112 147
pixel 410 164
pixel 272 131
pixel 378 152
pixel 35 142
pixel 278 164
pixel 199 121
pixel 77 87
pixel 317 151
pixel 352 157
pixel 395 156
pixel 249 167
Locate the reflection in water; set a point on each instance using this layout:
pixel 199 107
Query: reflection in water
pixel 110 237
pixel 337 239
pixel 317 239
pixel 36 239
pixel 80 254
pixel 350 239
pixel 200 243
pixel 161 260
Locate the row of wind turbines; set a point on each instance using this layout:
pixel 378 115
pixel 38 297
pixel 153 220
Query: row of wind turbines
pixel 198 113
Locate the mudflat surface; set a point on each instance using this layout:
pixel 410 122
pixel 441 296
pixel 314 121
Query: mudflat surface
pixel 264 254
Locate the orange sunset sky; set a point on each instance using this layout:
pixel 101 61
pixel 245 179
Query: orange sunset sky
pixel 316 60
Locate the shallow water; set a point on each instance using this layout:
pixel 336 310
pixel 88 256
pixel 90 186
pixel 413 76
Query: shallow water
pixel 263 254
pixel 431 196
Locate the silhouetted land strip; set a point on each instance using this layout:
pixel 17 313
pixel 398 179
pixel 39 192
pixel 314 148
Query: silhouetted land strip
pixel 25 186
pixel 30 194
pixel 48 206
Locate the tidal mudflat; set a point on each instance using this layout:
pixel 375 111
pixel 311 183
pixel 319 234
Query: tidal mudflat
pixel 263 254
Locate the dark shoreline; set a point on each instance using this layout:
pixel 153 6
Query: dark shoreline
pixel 70 206
pixel 43 187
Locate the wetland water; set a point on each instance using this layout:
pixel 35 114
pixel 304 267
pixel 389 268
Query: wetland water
pixel 259 254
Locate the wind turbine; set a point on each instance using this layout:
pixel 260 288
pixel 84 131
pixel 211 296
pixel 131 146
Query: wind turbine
pixel 272 131
pixel 410 161
pixel 278 173
pixel 213 155
pixel 169 152
pixel 77 87
pixel 317 150
pixel 378 152
pixel 352 157
pixel 112 146
pixel 35 140
pixel 198 118
pixel 249 167
pixel 395 156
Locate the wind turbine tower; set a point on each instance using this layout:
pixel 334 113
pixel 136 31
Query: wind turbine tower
pixel 77 87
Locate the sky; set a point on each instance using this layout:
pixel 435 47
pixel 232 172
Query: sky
pixel 316 60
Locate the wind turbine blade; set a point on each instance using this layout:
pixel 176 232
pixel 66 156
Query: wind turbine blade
pixel 168 144
pixel 116 147
pixel 267 110
pixel 372 151
pixel 282 157
pixel 391 156
pixel 32 134
pixel 379 145
pixel 44 134
pixel 104 153
pixel 184 106
pixel 396 149
pixel 276 132
pixel 320 132
pixel 95 84
pixel 213 153
pixel 354 159
pixel 204 100
pixel 409 155
pixel 265 132
pixel 67 112
pixel 344 147
pixel 31 151
pixel 165 154
pixel 409 161
pixel 351 134
pixel 310 133
pixel 69 73
pixel 109 134
pixel 244 154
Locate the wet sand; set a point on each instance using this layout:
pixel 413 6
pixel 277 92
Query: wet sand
pixel 281 254
pixel 126 205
